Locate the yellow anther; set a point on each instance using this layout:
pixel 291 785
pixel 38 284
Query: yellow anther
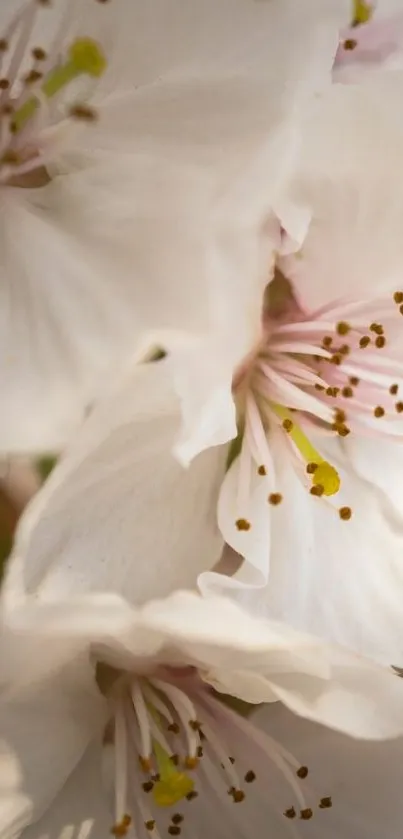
pixel 172 785
pixel 327 476
pixel 87 57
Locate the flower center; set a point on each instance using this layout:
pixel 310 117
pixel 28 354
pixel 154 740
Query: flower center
pixel 331 374
pixel 30 101
pixel 174 741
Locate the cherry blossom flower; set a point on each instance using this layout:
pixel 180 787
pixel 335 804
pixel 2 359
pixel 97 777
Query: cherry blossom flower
pixel 121 125
pixel 120 701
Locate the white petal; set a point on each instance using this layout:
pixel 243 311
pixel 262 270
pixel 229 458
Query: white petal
pixel 44 732
pixel 81 808
pixel 253 544
pixel 362 779
pixel 353 247
pixel 341 580
pixel 119 513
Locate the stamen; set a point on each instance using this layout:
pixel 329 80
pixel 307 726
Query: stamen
pixel 85 58
pixel 324 475
pixel 345 513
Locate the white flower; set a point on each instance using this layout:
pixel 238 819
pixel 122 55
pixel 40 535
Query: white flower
pixel 129 692
pixel 328 563
pixel 132 119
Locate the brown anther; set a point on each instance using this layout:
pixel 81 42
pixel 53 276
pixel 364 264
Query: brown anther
pixel 306 814
pixel 325 802
pixel 345 513
pixel 380 341
pixel 318 490
pixel 379 411
pixel 243 524
pixel 364 341
pixel 231 760
pixel 32 77
pixel 150 825
pixel 343 328
pixel 288 425
pixel 336 359
pixel 39 54
pixel 275 498
pixel 262 470
pixel 398 297
pixel 122 827
pixel 83 112
pixel 4 84
pixel 344 349
pixel 3 45
pixel 195 725
pixel 340 416
pixel 145 763
pixel 342 430
pixel 329 391
pixel 347 392
pixel 377 328
pixel 147 786
pixel 192 795
pixel 302 772
pixel 174 759
pixel 237 795
pixel 250 776
pixel 191 762
pixel 290 813
pixel 311 468
pixel 199 751
pixel 327 342
pixel 350 44
pixel 393 389
pixel 319 387
pixel 174 727
pixel 174 830
pixel 177 818
pixel 354 381
pixel 399 407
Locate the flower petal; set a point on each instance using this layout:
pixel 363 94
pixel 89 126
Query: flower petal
pixel 112 515
pixel 81 806
pixel 45 730
pixel 354 243
pixel 361 779
pixel 341 580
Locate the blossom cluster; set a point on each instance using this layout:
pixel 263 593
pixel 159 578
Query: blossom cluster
pixel 201 322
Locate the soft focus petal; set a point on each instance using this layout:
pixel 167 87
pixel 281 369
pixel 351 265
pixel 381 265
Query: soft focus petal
pixel 119 513
pixel 349 178
pixel 362 779
pixel 342 580
pixel 256 660
pixel 45 730
pixel 81 808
